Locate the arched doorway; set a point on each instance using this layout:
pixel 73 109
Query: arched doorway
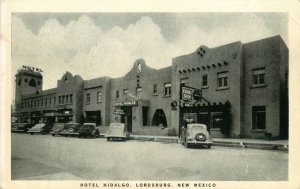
pixel 159 118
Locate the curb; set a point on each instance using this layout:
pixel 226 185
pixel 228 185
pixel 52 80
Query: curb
pixel 233 144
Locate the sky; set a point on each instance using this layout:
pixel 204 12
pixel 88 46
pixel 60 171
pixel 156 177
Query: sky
pixel 107 44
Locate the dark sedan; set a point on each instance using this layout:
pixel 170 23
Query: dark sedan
pixel 88 130
pixel 21 127
pixel 57 129
pixel 41 128
pixel 71 129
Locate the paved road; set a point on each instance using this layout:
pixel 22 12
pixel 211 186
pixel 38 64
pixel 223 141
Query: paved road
pixel 58 158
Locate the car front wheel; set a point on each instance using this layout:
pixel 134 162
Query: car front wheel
pixel 208 146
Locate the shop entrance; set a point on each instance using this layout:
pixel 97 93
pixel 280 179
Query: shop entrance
pixel 126 118
pixel 94 117
pixel 213 116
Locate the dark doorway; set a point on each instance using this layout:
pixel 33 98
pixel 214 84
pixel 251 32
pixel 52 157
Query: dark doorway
pixel 159 118
pixel 145 115
pixel 127 118
pixel 93 117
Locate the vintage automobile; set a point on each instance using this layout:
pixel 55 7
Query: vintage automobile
pixel 117 131
pixel 88 129
pixel 195 134
pixel 71 129
pixel 21 127
pixel 57 129
pixel 41 128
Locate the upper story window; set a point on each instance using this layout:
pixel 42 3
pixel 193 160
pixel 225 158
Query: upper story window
pixel 50 101
pixel 71 98
pixel 59 100
pixel 67 99
pixel 154 89
pixel 88 97
pixel 184 81
pixel 117 94
pixel 222 80
pixel 125 91
pixel 63 99
pixel 167 89
pixel 204 81
pixel 259 77
pixel 46 102
pixel 99 96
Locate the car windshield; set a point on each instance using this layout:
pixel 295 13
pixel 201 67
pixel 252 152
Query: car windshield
pixel 71 125
pixel 39 125
pixel 116 128
pixel 58 126
pixel 86 126
pixel 197 127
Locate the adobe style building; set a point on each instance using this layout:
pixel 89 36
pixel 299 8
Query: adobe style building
pixel 237 90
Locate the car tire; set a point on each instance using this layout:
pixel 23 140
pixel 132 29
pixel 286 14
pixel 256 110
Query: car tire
pixel 94 135
pixel 32 133
pixel 208 146
pixel 108 139
pixel 53 134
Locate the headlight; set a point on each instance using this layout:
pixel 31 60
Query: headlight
pixel 200 137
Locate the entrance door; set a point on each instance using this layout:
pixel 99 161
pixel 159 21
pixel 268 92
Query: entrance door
pixel 127 118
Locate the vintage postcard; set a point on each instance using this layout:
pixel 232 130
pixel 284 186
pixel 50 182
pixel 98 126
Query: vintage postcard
pixel 149 94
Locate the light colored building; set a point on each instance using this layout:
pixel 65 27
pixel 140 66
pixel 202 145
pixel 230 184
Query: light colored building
pixel 244 89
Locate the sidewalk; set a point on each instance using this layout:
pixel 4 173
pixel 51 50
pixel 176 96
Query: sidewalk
pixel 281 145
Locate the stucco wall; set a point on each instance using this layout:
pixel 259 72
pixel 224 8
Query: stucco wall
pixel 263 53
pixel 213 61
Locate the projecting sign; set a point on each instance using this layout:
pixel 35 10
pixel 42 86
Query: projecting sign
pixel 128 103
pixel 189 94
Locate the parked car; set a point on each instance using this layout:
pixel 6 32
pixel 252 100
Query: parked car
pixel 117 131
pixel 21 127
pixel 41 128
pixel 71 129
pixel 195 134
pixel 57 129
pixel 88 129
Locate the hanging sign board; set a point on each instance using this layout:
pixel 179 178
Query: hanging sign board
pixel 127 103
pixel 188 94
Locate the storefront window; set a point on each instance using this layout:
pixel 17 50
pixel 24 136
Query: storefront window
pixel 258 117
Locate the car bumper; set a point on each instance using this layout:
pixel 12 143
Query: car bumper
pixel 34 131
pixel 199 142
pixel 56 133
pixel 73 134
pixel 18 130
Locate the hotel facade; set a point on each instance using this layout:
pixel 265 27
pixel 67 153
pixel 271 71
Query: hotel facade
pixel 237 90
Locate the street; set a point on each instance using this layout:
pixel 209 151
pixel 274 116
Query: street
pixel 44 157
